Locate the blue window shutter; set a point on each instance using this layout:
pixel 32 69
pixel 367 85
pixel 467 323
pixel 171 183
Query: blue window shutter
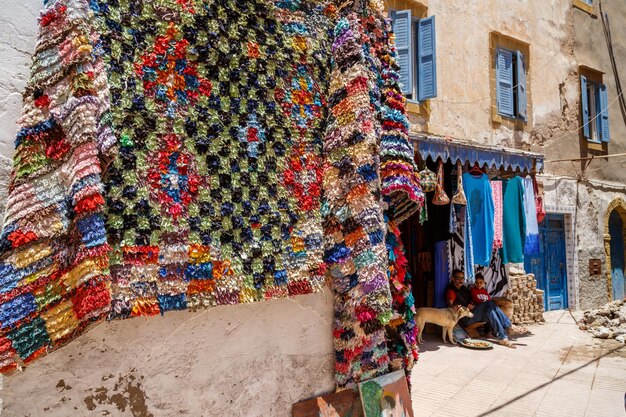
pixel 426 59
pixel 603 114
pixel 504 82
pixel 401 24
pixel 584 108
pixel 522 101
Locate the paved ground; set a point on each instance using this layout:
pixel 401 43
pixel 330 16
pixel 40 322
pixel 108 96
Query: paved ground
pixel 557 370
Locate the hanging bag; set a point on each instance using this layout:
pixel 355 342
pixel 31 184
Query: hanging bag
pixel 459 197
pixel 440 198
pixel 428 180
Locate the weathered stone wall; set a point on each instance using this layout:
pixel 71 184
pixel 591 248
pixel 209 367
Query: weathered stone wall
pixel 590 200
pixel 462 108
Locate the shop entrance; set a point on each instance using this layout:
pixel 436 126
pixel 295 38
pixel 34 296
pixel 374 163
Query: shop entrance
pixel 616 230
pixel 549 266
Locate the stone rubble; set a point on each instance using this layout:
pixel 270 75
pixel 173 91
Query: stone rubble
pixel 606 322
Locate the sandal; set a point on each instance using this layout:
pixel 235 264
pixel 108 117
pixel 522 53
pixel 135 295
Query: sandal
pixel 507 343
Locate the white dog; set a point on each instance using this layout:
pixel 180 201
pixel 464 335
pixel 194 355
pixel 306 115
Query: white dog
pixel 444 317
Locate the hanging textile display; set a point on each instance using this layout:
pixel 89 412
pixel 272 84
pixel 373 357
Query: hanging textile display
pixel 496 189
pixel 53 247
pixel 496 277
pixel 214 195
pixel 401 330
pixel 480 210
pixel 218 125
pixel 531 241
pixel 514 220
pixel 459 245
pixel 353 220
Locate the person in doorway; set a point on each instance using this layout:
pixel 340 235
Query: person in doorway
pixel 458 294
pixel 478 291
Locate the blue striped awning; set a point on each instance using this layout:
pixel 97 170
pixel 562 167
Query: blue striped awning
pixel 492 156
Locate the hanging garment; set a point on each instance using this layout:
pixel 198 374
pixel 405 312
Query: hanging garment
pixel 460 247
pixel 440 198
pixel 531 242
pixel 514 221
pixel 540 207
pixel 481 212
pixel 442 274
pixel 496 192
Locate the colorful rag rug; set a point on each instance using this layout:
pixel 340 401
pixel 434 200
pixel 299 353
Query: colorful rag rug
pixel 401 329
pixel 246 146
pixel 219 108
pixel 364 100
pixel 54 255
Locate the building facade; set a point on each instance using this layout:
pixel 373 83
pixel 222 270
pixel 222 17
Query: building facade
pixel 466 66
pixel 541 77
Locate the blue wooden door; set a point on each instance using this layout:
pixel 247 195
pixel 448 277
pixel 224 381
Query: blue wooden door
pixel 616 230
pixel 549 266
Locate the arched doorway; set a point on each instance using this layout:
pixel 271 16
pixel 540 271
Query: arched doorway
pixel 616 231
pixel 615 235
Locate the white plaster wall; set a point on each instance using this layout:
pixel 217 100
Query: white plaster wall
pixel 18 30
pixel 245 361
pixel 249 360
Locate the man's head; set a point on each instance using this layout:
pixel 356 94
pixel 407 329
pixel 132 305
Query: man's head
pixel 458 278
pixel 480 281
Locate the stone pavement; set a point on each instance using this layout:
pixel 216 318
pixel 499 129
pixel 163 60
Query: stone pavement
pixel 557 370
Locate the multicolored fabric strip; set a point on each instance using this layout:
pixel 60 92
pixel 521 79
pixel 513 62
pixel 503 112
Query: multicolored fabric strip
pixel 401 329
pixel 54 253
pixel 246 149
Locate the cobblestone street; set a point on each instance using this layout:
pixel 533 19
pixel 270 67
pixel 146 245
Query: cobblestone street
pixel 557 370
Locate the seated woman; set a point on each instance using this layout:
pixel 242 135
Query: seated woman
pixel 486 311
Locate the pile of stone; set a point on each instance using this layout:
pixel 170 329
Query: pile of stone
pixel 527 300
pixel 606 322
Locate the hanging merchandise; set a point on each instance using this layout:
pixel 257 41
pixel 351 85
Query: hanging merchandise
pixel 442 273
pixel 245 164
pixel 540 207
pixel 496 189
pixel 460 254
pixel 428 180
pixel 401 330
pixel 440 198
pixel 481 211
pixel 514 221
pixel 459 196
pixel 531 243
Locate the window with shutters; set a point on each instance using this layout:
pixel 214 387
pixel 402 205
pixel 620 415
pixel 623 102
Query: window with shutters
pixel 510 82
pixel 594 108
pixel 416 54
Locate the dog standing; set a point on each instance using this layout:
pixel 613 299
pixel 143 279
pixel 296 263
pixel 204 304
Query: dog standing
pixel 444 317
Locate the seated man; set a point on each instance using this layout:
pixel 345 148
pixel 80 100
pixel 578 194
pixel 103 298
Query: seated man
pixel 458 294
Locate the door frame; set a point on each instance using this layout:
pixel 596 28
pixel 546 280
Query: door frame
pixel 618 204
pixel 565 220
pixel 565 278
